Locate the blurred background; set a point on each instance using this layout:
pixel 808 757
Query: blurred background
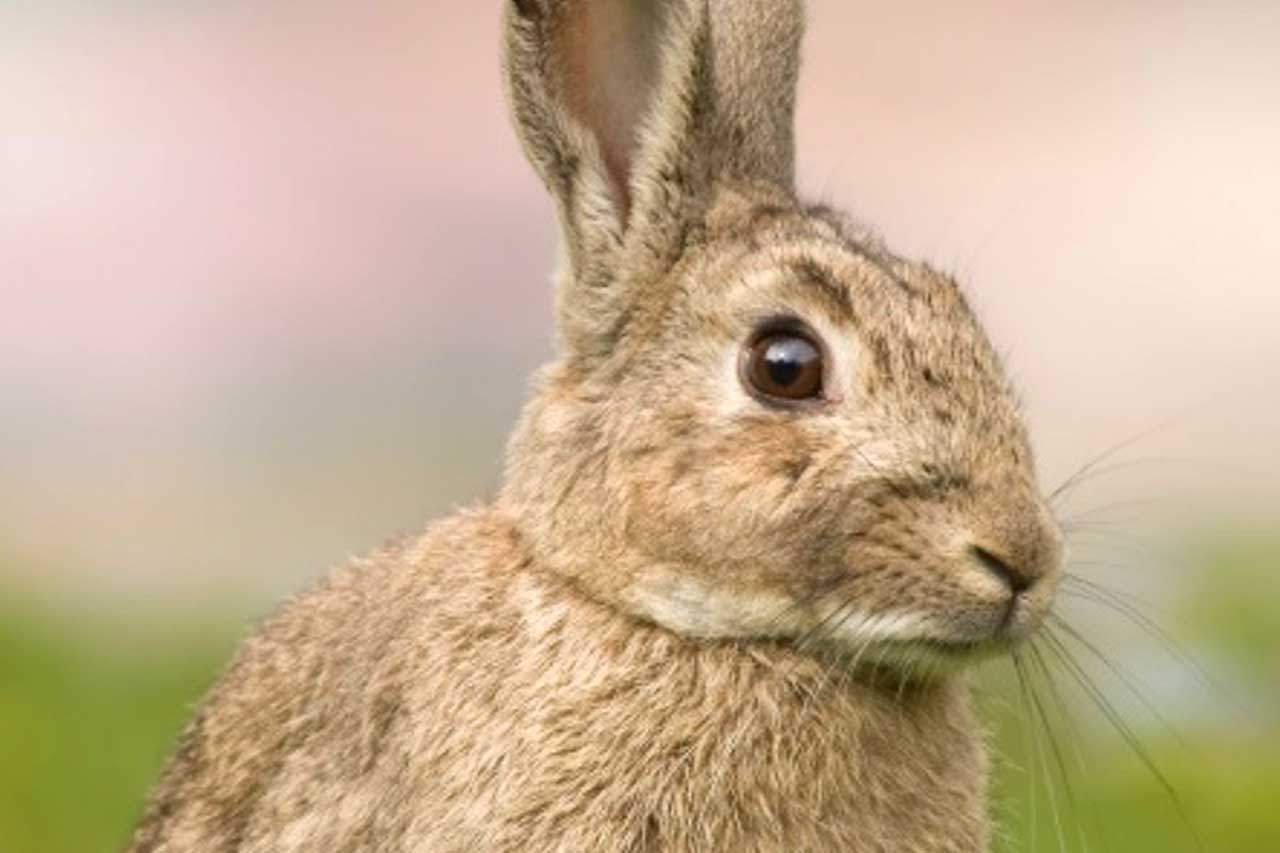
pixel 272 277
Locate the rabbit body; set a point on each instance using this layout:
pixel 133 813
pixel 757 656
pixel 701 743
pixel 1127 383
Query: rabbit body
pixel 770 499
pixel 445 695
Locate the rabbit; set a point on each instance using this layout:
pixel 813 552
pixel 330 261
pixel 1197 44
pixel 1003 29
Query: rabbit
pixel 771 501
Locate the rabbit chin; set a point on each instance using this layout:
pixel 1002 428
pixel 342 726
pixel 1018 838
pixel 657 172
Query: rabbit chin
pixel 917 641
pixel 918 645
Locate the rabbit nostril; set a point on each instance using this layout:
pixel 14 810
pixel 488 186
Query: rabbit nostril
pixel 1017 580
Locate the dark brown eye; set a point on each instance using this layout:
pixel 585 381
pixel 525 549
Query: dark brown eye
pixel 785 366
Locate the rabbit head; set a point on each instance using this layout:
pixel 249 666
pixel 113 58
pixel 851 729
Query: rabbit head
pixel 763 424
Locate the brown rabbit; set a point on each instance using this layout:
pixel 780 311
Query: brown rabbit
pixel 771 499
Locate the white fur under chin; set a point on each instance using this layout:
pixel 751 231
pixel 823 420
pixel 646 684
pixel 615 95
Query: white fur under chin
pixel 692 608
pixel 857 628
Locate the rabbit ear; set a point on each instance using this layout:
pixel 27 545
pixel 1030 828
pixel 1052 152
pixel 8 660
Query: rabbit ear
pixel 632 110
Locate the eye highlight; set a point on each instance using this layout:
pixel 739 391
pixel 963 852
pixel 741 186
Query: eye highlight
pixel 784 366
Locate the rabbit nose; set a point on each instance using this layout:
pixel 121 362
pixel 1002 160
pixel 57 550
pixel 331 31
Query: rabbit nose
pixel 1017 542
pixel 1014 575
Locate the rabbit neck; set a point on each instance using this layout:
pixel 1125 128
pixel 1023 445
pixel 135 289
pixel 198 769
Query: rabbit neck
pixel 681 744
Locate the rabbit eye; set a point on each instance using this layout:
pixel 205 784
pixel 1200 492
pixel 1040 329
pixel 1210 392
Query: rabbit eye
pixel 784 366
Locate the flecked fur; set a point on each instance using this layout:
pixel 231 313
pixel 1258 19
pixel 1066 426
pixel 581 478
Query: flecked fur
pixel 691 621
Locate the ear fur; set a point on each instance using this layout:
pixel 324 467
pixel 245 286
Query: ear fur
pixel 632 112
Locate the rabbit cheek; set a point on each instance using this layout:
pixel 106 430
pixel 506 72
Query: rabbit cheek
pixel 723 532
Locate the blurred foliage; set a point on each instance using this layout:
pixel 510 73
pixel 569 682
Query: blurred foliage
pixel 1219 795
pixel 90 707
pixel 1234 609
pixel 88 712
pixel 1199 764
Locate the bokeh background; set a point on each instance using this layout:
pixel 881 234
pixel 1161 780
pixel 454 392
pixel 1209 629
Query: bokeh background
pixel 272 276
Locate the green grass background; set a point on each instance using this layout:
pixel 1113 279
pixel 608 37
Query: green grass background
pixel 90 704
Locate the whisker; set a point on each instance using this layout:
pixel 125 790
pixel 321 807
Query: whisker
pixel 1073 734
pixel 1038 714
pixel 1102 543
pixel 835 618
pixel 1137 602
pixel 1093 464
pixel 774 623
pixel 1133 608
pixel 913 665
pixel 1110 531
pixel 834 663
pixel 1055 750
pixel 1102 597
pixel 1161 462
pixel 1127 678
pixel 1108 510
pixel 1121 726
pixel 1029 733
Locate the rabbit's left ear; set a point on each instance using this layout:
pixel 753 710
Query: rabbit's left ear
pixel 633 110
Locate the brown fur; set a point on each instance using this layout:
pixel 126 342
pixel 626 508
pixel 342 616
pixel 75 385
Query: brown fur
pixel 521 715
pixel 691 621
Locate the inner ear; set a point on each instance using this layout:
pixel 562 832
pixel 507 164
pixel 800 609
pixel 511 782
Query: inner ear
pixel 613 60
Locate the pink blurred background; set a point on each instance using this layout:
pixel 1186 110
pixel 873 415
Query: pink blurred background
pixel 272 275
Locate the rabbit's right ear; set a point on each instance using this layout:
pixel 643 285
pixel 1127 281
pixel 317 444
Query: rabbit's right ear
pixel 631 111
